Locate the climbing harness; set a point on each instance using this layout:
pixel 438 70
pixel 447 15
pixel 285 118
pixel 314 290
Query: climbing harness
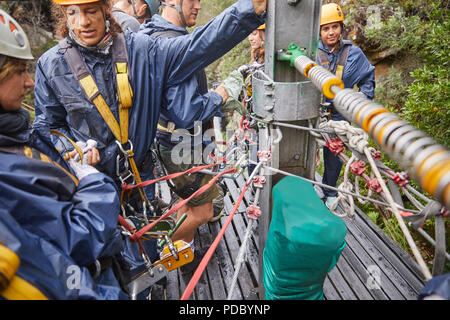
pixel 126 168
pixel 13 287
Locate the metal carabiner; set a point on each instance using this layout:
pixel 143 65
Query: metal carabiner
pixel 121 147
pixel 171 247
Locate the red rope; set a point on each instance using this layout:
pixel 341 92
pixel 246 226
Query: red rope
pixel 170 176
pixel 143 230
pixel 201 267
pixel 127 226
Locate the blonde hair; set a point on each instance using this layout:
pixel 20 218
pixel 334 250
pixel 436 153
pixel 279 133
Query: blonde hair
pixel 10 66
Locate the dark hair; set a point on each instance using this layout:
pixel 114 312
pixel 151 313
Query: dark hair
pixel 62 30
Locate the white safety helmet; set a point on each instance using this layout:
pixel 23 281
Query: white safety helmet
pixel 13 40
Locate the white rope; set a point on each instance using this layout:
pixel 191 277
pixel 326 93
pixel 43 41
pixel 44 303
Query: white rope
pixel 357 139
pixel 349 205
pixel 399 218
pixel 240 258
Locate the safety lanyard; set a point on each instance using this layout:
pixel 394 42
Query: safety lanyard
pixel 340 65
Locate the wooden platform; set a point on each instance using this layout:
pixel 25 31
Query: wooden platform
pixel 369 255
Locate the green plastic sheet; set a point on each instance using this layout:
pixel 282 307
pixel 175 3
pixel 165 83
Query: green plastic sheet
pixel 304 242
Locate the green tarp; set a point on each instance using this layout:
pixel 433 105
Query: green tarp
pixel 304 242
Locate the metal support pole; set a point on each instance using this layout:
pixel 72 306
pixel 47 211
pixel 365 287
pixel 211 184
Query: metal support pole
pixel 285 96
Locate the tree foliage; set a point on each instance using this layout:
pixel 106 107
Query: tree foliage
pixel 415 28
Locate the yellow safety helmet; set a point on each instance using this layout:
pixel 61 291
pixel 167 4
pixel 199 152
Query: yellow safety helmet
pixel 331 12
pixel 70 2
pixel 262 27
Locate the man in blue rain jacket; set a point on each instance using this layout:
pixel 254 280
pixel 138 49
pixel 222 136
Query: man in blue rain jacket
pixel 186 106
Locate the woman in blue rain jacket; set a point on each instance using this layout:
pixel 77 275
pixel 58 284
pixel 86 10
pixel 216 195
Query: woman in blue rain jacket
pixel 348 63
pixel 154 66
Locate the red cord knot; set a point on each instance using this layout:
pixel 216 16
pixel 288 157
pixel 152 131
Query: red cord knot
pixel 401 178
pixel 358 167
pixel 374 185
pixel 376 154
pixel 253 212
pixel 335 146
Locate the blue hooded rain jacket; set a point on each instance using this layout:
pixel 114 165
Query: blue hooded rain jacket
pixel 56 224
pixel 190 101
pixel 155 65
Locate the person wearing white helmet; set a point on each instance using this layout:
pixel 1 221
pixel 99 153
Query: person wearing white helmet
pixel 55 216
pixel 15 51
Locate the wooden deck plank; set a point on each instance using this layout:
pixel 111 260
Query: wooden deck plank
pixel 201 290
pixel 225 263
pixel 341 286
pixel 212 271
pixel 329 291
pixel 234 194
pixel 392 252
pixel 252 252
pixel 386 276
pixel 387 267
pixel 248 197
pixel 173 287
pixel 361 272
pixel 357 285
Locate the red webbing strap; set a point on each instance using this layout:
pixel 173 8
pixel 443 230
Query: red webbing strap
pixel 201 267
pixel 170 176
pixel 127 226
pixel 143 230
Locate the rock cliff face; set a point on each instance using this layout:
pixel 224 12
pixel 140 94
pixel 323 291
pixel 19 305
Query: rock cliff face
pixel 34 17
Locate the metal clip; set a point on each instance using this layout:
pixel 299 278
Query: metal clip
pixel 127 173
pixel 259 181
pixel 146 279
pixel 184 255
pixel 253 212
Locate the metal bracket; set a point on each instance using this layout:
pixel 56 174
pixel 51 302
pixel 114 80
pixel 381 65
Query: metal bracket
pixel 183 255
pixel 259 181
pixel 146 279
pixel 253 212
pixel 293 2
